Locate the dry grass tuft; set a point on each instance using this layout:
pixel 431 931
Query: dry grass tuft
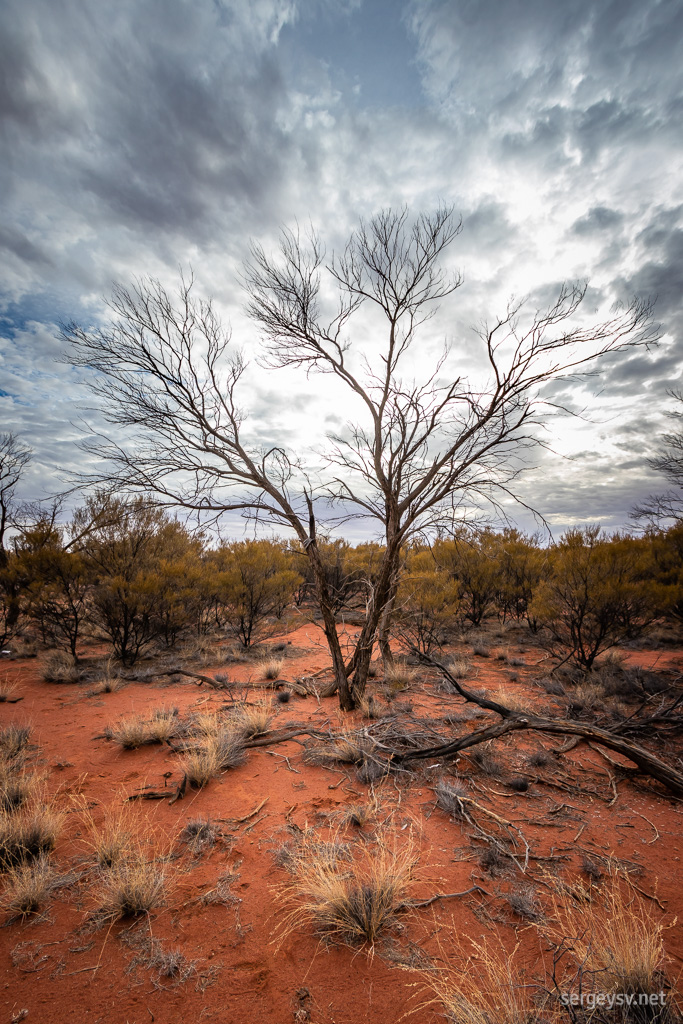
pixel 163 725
pixel 27 887
pixel 199 834
pixel 59 667
pixel 352 902
pixel 459 667
pixel 8 690
pixel 112 684
pixel 480 985
pixel 14 741
pixel 615 938
pixel 28 832
pixel 138 731
pixel 271 668
pixel 212 755
pixel 17 786
pixel 360 815
pixel 132 886
pixel 448 797
pixel 112 839
pixel 486 762
pixel 347 747
pixel 510 700
pixel 399 676
pixel 253 719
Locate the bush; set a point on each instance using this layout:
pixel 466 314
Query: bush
pixel 598 593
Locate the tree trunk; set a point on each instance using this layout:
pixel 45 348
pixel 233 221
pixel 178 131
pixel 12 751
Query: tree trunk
pixel 340 683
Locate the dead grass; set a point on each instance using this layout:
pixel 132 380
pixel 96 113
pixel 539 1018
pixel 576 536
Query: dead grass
pixel 14 741
pixel 253 719
pixel 17 786
pixel 200 834
pixel 59 667
pixel 132 886
pixel 271 668
pixel 29 832
pixel 347 747
pixel 480 984
pixel 360 815
pixel 112 839
pixel 486 761
pixel 399 676
pixel 615 939
pixel 112 684
pixel 212 755
pixel 352 902
pixel 27 887
pixel 206 723
pixel 448 797
pixel 138 731
pixel 459 667
pixel 510 700
pixel 8 691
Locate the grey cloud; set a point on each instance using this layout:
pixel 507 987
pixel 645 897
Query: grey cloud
pixel 598 218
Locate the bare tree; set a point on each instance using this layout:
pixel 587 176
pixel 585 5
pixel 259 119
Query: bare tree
pixel 424 446
pixel 14 458
pixel 667 507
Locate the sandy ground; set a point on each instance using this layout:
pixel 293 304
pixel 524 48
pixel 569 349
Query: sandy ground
pixel 58 969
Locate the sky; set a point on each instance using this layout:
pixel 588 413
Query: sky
pixel 144 136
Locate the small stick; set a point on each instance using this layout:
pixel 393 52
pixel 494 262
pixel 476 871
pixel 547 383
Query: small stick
pixel 446 896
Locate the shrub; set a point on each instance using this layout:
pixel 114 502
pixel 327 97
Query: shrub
pixel 254 581
pixel 597 593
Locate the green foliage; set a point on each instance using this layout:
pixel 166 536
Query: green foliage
pixel 597 593
pixel 254 583
pixel 135 557
pixel 520 568
pixel 471 559
pixel 428 601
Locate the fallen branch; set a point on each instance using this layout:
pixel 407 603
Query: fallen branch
pixel 513 721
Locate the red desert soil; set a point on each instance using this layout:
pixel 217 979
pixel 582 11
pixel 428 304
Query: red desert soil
pixel 60 971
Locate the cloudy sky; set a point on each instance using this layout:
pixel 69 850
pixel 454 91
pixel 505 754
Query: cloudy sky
pixel 144 135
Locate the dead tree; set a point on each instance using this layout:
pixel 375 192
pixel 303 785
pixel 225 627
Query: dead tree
pixel 423 448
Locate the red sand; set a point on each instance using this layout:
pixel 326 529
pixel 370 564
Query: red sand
pixel 47 962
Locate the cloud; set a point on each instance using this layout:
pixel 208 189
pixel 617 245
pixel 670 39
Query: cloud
pixel 148 134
